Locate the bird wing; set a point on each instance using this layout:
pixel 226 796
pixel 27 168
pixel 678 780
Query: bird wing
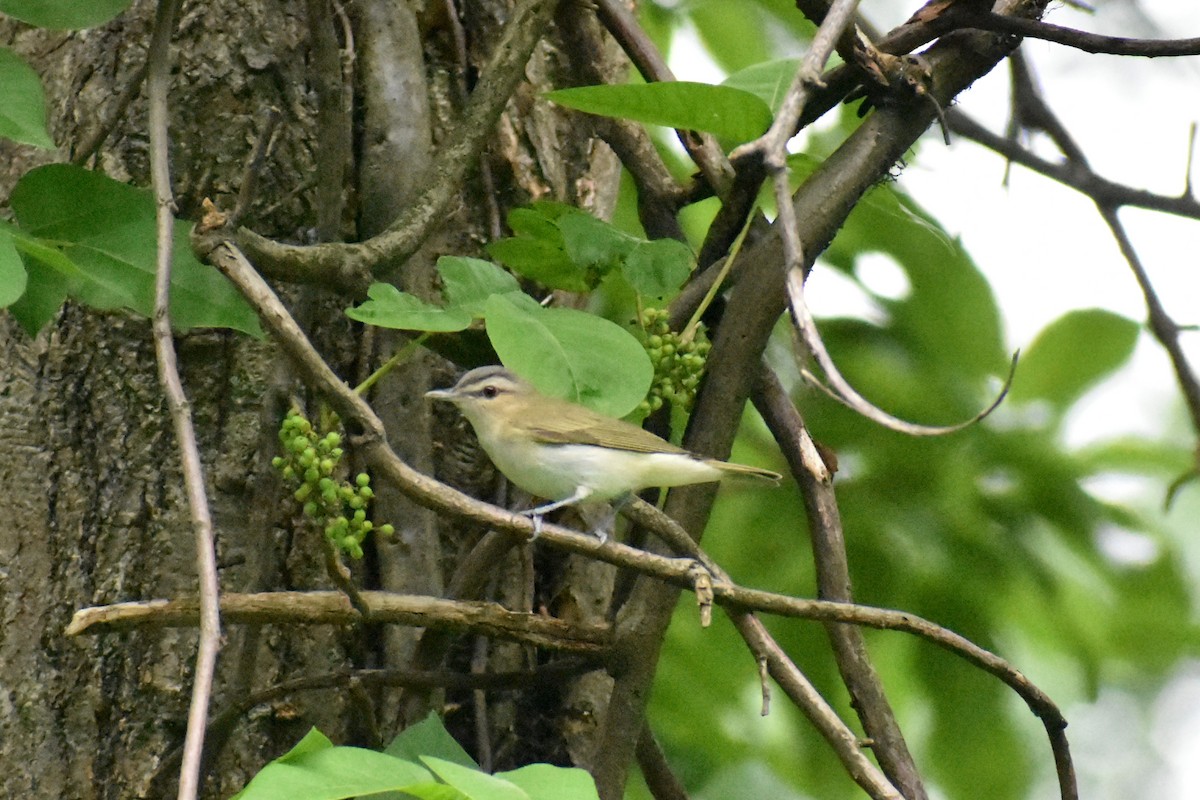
pixel 572 424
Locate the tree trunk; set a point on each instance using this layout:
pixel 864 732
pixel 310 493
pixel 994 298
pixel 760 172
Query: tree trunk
pixel 101 515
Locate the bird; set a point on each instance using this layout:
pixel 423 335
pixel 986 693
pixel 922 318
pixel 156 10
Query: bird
pixel 570 454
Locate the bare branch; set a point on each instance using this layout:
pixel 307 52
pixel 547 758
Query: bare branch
pixel 771 147
pixel 1081 180
pixel 157 88
pixel 833 583
pixel 248 189
pixel 334 608
pixel 1088 42
pixel 1165 329
pixel 843 392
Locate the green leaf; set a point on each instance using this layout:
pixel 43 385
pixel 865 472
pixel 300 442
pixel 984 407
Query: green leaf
pixel 332 773
pixel 548 782
pixel 564 248
pixel 570 354
pixel 732 114
pixel 388 307
pixel 473 783
pixel 429 737
pixel 768 80
pixel 12 271
pixel 59 14
pixel 537 251
pixel 468 282
pixel 592 243
pixel 312 742
pixel 47 287
pixel 99 234
pixel 1072 354
pixel 659 267
pixel 23 113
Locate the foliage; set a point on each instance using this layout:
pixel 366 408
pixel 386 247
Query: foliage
pixel 84 236
pixel 63 15
pixel 994 532
pixel 735 116
pixel 23 118
pixel 563 352
pixel 422 762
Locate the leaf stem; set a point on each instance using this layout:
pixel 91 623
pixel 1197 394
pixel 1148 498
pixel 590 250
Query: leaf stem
pixel 689 330
pixel 402 355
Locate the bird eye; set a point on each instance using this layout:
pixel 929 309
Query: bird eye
pixel 489 391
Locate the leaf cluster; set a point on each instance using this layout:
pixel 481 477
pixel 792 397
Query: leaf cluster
pixel 422 762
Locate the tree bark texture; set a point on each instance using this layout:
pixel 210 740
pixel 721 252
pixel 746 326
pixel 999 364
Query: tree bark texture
pixel 95 506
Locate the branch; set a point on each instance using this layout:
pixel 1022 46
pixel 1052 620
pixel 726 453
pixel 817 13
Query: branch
pixel 984 20
pixel 867 695
pixel 334 608
pixel 676 571
pixel 656 770
pixel 1165 329
pixel 841 390
pixel 157 89
pixel 1070 174
pixel 349 268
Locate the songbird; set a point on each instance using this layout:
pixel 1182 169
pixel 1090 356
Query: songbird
pixel 569 454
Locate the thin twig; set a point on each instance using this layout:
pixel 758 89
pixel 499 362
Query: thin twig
pixel 158 87
pixel 984 20
pixel 1081 180
pixel 248 190
pixel 841 390
pixel 833 582
pixel 771 147
pixel 93 141
pixel 1164 328
pixel 819 713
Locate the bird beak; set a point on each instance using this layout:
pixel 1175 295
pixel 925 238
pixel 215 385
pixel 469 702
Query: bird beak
pixel 442 394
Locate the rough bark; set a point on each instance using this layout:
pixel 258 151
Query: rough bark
pixel 96 510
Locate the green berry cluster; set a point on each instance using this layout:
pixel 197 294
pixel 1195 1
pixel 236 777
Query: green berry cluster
pixel 310 460
pixel 678 362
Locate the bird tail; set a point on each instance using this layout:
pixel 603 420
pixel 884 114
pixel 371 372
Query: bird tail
pixel 745 471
